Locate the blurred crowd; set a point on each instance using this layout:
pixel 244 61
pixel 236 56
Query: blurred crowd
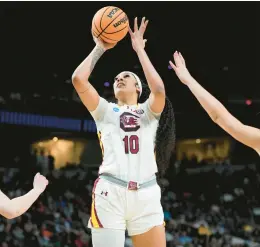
pixel 222 210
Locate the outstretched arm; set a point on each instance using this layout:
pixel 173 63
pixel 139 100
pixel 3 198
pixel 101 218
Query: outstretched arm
pixel 155 83
pixel 17 206
pixel 218 113
pixel 87 93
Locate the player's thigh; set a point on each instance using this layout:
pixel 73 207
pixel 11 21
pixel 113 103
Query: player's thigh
pixel 102 237
pixel 107 209
pixel 147 213
pixel 154 237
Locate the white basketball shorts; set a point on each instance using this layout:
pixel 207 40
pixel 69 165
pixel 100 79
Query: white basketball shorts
pixel 116 207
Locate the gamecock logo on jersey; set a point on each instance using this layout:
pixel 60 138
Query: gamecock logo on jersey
pixel 129 122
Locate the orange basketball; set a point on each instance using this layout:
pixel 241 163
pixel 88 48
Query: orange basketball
pixel 110 24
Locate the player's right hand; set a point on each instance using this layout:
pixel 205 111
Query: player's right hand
pixel 180 68
pixel 137 37
pixel 40 182
pixel 104 45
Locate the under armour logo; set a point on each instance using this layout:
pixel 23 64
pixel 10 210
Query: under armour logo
pixel 104 193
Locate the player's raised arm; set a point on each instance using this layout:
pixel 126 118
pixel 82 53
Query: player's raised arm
pixel 155 83
pixel 218 113
pixel 17 206
pixel 87 93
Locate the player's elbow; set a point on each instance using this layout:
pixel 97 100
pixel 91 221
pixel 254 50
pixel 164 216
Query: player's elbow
pixel 10 216
pixel 76 78
pixel 216 115
pixel 215 118
pixel 159 90
pixel 9 212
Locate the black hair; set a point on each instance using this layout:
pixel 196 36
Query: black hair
pixel 165 135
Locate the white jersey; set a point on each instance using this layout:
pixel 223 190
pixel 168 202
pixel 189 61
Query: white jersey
pixel 127 138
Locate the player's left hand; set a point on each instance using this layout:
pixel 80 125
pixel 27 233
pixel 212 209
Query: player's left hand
pixel 137 37
pixel 104 45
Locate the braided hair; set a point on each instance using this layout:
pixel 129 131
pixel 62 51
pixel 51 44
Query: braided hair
pixel 165 134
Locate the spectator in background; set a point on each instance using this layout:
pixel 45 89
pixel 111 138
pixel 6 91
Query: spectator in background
pixel 43 163
pixel 51 162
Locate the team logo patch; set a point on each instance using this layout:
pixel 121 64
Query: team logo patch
pixel 115 109
pixel 129 122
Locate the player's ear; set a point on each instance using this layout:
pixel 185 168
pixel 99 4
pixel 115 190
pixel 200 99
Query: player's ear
pixel 137 87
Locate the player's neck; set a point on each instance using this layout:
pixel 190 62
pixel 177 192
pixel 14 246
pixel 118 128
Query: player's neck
pixel 127 101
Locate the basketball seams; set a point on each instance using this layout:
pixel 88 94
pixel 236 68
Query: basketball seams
pixel 117 30
pixel 97 28
pixel 102 18
pixel 115 20
pixel 110 33
pixel 108 38
pixel 96 33
pixel 111 22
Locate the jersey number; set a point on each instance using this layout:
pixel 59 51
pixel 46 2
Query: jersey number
pixel 131 144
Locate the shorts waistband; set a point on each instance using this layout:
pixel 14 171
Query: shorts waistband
pixel 131 185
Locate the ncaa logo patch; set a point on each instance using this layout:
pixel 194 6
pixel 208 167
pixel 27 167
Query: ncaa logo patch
pixel 115 109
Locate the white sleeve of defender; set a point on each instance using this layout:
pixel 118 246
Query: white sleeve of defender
pixel 99 113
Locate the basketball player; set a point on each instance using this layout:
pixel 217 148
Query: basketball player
pixel 218 113
pixel 17 206
pixel 126 194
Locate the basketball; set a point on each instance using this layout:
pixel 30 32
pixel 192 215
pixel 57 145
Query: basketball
pixel 110 24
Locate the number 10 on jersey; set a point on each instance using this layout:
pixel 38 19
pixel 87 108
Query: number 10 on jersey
pixel 131 144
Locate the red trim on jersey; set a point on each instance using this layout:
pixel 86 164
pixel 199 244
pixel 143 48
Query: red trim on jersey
pixel 95 211
pixel 95 185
